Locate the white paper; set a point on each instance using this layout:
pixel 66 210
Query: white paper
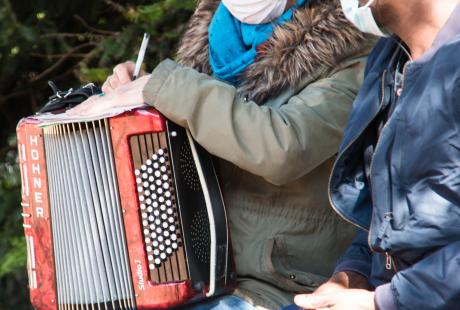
pixel 48 119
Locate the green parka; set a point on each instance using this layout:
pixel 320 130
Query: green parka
pixel 276 136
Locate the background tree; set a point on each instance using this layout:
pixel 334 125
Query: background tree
pixel 72 43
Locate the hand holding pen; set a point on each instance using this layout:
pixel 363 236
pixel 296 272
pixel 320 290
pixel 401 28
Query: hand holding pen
pixel 128 71
pixel 123 89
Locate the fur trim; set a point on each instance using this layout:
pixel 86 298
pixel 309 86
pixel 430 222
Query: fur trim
pixel 318 36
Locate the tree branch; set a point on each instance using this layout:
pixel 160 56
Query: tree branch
pixel 76 55
pixel 61 61
pixel 101 31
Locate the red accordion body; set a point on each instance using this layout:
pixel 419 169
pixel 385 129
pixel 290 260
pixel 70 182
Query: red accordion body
pixel 114 218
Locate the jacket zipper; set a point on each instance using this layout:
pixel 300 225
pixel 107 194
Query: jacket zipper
pixel 344 150
pixel 389 215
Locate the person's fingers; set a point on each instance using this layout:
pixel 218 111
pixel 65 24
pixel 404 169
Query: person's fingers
pixel 130 65
pixel 313 301
pixel 106 88
pixel 113 82
pixel 123 72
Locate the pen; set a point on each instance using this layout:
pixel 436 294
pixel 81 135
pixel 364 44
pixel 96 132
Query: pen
pixel 140 56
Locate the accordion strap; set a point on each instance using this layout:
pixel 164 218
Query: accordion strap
pixel 219 240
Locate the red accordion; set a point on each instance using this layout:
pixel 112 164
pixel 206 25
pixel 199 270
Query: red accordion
pixel 121 213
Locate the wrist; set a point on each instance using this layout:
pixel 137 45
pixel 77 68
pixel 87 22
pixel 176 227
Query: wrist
pixel 350 279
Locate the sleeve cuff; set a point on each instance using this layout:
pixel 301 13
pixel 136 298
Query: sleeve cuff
pixel 384 299
pixel 158 78
pixel 355 265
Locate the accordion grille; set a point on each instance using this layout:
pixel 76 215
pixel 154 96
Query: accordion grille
pixel 91 258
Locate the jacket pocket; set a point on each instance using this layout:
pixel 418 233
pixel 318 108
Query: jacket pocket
pixel 280 272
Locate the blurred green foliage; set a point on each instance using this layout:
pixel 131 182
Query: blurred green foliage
pixel 71 43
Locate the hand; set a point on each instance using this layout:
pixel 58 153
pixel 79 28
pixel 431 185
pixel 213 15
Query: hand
pixel 338 283
pixel 127 95
pixel 344 299
pixel 122 74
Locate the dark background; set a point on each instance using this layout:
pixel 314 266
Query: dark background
pixel 72 43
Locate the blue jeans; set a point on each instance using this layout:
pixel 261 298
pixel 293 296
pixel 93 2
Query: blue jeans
pixel 229 302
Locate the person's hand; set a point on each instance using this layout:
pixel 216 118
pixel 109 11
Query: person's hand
pixel 127 95
pixel 338 283
pixel 122 74
pixel 344 299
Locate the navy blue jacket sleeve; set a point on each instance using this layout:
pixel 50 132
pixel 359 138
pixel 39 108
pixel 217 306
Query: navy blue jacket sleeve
pixel 358 257
pixel 432 283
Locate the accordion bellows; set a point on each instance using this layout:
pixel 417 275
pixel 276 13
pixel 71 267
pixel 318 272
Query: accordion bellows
pixel 121 213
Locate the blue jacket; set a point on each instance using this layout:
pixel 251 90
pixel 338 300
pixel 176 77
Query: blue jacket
pixel 408 214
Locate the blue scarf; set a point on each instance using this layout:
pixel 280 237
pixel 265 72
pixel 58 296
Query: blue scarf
pixel 233 44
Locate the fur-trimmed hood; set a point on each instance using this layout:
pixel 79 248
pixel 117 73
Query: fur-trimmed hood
pixel 319 35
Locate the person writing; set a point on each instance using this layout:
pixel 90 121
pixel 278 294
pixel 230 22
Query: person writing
pixel 265 86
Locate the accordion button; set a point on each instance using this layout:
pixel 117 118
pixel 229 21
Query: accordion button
pixel 151 266
pixel 155 244
pixel 137 172
pixel 148 162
